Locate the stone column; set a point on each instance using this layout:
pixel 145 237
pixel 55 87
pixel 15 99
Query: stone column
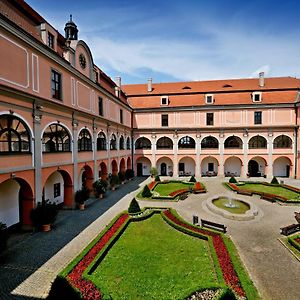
pixel 153 150
pixel 108 150
pixel 96 169
pixel 198 152
pixel 75 156
pixel 270 151
pixel 175 153
pixel 245 156
pixel 221 149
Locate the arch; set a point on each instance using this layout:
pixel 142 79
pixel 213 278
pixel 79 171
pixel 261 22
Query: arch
pixel 233 166
pixel 114 167
pixel 122 168
pixel 282 166
pixel 128 164
pixel 164 166
pixel 164 143
pixel 142 143
pixel 128 143
pixel 103 171
pixel 186 142
pixel 257 167
pixel 101 141
pixel 186 166
pixel 210 142
pixel 16 202
pixel 56 138
pixel 209 166
pixel 233 142
pixel 113 142
pixel 86 177
pixel 84 140
pixel 257 142
pixel 282 142
pixel 90 60
pixel 121 143
pixel 15 135
pixel 143 166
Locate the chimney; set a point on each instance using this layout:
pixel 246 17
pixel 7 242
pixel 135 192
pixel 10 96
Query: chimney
pixel 117 91
pixel 149 88
pixel 261 79
pixel 118 81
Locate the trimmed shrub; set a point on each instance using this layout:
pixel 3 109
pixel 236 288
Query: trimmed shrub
pixel 129 173
pixel 157 178
pixel 44 213
pixel 232 180
pixel 192 179
pixel 274 180
pixel 153 171
pixel 121 176
pixel 114 180
pixel 146 192
pixel 99 187
pixel 82 195
pixel 134 207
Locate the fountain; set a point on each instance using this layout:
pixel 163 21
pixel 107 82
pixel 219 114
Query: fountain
pixel 231 204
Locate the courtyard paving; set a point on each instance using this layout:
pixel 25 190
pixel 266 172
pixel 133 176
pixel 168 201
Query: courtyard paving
pixel 33 260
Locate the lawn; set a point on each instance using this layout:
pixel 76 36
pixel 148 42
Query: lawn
pixel 164 189
pixel 276 190
pixel 161 263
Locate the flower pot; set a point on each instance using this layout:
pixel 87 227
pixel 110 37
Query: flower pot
pixel 81 206
pixel 100 196
pixel 113 188
pixel 46 227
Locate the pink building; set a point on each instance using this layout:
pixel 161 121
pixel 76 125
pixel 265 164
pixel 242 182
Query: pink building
pixel 65 123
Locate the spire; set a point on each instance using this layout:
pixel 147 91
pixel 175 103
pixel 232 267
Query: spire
pixel 71 31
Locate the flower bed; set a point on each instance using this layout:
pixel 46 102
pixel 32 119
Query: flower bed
pixel 199 187
pixel 224 259
pixel 178 192
pixel 295 242
pixel 152 185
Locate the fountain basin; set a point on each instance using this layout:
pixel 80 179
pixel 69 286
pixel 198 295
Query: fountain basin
pixel 240 210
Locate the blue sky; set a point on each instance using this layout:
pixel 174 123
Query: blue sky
pixel 184 40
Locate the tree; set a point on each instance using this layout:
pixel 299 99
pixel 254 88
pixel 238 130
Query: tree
pixel 274 180
pixel 146 192
pixel 232 180
pixel 192 179
pixel 157 178
pixel 134 207
pixel 153 171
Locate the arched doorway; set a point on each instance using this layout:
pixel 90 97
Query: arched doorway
pixel 232 166
pixel 186 166
pixel 165 166
pixel 129 163
pixel 282 167
pixel 122 166
pixel 103 171
pixel 114 168
pixel 143 166
pixel 87 177
pixel 253 169
pixel 209 166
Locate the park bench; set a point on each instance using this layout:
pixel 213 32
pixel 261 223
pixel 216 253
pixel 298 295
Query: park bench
pixel 287 230
pixel 297 216
pixel 213 225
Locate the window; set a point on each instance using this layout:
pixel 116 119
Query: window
pixel 56 139
pixel 283 141
pixel 209 119
pixel 113 142
pixel 164 120
pixel 233 142
pixel 55 85
pixel 142 143
pixel 121 143
pixel 257 142
pixel 101 141
pixel 100 106
pixel 257 117
pixel 128 143
pixel 84 141
pixel 56 189
pixel 50 40
pixel 164 100
pixel 14 135
pixel 209 98
pixel 121 116
pixel 256 96
pixel 164 143
pixel 210 142
pixel 186 142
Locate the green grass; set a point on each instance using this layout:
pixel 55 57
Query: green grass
pixel 164 189
pixel 151 260
pixel 277 190
pixel 241 208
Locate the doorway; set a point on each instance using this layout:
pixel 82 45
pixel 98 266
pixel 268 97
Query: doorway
pixel 253 169
pixel 163 169
pixel 139 169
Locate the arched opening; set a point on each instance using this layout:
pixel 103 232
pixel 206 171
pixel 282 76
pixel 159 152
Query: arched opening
pixel 233 166
pixel 209 166
pixel 164 143
pixel 56 139
pixel 87 177
pixel 129 163
pixel 165 166
pixel 16 202
pixel 113 142
pixel 186 142
pixel 209 142
pixel 233 142
pixel 103 171
pixel 186 166
pixel 121 143
pixel 122 166
pixel 282 167
pixel 257 142
pixel 114 168
pixel 282 142
pixel 142 143
pixel 84 140
pixel 128 143
pixel 143 166
pixel 257 167
pixel 101 141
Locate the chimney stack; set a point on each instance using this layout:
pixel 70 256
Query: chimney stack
pixel 261 79
pixel 149 88
pixel 118 81
pixel 117 91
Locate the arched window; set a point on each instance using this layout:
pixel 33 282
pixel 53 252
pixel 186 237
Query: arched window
pixel 257 142
pixel 84 141
pixel 210 142
pixel 142 143
pixel 283 141
pixel 101 141
pixel 186 142
pixel 164 143
pixel 56 139
pixel 128 144
pixel 14 135
pixel 233 142
pixel 121 144
pixel 113 142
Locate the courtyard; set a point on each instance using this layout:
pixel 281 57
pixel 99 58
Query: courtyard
pixel 33 260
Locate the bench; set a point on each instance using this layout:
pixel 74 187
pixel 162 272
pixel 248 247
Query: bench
pixel 287 230
pixel 297 216
pixel 213 225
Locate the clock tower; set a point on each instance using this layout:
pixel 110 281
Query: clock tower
pixel 71 31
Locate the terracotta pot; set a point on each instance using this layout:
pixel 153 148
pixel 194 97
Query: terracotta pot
pixel 46 227
pixel 81 206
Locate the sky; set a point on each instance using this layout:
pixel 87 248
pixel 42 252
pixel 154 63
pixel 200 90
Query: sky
pixel 184 40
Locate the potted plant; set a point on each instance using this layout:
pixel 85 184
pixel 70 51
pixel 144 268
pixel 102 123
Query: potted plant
pixel 114 180
pixel 99 188
pixel 3 236
pixel 129 174
pixel 153 171
pixel 81 196
pixel 44 215
pixel 122 177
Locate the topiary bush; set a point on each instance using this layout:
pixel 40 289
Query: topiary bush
pixel 146 192
pixel 129 173
pixel 134 207
pixel 157 178
pixel 232 180
pixel 193 179
pixel 274 180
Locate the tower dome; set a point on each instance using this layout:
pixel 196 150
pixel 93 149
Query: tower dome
pixel 71 31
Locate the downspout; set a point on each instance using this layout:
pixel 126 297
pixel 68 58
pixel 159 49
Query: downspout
pixel 296 144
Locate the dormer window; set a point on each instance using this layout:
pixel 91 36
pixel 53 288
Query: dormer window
pixel 209 98
pixel 164 100
pixel 50 40
pixel 256 96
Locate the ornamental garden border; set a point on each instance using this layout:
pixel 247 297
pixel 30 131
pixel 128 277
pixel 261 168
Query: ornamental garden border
pixel 72 284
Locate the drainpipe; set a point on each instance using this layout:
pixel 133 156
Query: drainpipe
pixel 296 144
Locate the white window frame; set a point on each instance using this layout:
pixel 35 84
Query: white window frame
pixel 256 93
pixel 166 98
pixel 211 96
